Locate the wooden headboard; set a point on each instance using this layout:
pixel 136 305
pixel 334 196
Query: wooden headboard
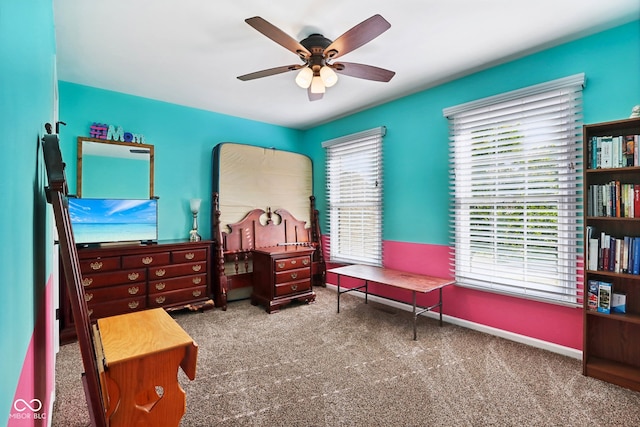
pixel 263 228
pixel 261 197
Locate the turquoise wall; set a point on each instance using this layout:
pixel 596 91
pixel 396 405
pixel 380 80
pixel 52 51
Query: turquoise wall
pixel 415 148
pixel 183 140
pixel 27 83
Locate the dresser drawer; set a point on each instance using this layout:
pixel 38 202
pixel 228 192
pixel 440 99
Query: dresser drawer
pixel 145 260
pixel 96 265
pixel 109 293
pixel 188 256
pixel 290 275
pixel 289 288
pixel 177 283
pixel 113 308
pixel 166 271
pixel 291 263
pixel 114 278
pixel 178 297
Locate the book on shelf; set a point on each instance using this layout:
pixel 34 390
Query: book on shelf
pixel 592 254
pixel 592 294
pixel 604 297
pixel 624 268
pixel 629 150
pixel 618 302
pixel 606 143
pixel 635 256
pixel 614 254
pixel 614 199
pixel 605 241
pixel 617 259
pixel 613 151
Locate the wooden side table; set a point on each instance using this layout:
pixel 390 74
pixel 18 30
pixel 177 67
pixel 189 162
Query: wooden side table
pixel 282 274
pixel 141 353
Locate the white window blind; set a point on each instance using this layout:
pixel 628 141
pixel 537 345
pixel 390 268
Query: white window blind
pixel 516 177
pixel 354 196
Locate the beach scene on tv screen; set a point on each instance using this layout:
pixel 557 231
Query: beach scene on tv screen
pixel 113 220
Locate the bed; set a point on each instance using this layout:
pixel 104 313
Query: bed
pixel 262 198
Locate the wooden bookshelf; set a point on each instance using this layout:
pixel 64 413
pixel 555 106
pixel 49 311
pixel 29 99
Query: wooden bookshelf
pixel 611 342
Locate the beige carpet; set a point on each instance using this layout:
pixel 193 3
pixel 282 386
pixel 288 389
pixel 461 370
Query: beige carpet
pixel 310 366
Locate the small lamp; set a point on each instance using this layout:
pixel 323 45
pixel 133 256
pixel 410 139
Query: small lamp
pixel 304 77
pixel 328 76
pixel 195 208
pixel 316 85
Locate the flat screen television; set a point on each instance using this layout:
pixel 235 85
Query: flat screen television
pixel 96 221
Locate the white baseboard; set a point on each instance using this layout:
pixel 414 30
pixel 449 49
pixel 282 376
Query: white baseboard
pixel 523 339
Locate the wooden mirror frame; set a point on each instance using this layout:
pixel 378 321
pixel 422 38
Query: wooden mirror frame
pixel 116 143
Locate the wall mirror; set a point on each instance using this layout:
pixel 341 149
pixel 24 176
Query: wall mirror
pixel 114 170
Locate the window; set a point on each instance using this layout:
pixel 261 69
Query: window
pixel 354 196
pixel 516 172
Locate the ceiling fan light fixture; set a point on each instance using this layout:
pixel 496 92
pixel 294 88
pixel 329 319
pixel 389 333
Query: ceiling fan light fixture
pixel 304 77
pixel 328 76
pixel 316 85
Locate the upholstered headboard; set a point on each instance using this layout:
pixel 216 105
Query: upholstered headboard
pixel 248 177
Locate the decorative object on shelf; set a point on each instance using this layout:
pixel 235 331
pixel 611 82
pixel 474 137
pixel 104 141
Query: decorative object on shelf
pixel 98 130
pixel 618 302
pixel 195 208
pixel 113 133
pixel 635 112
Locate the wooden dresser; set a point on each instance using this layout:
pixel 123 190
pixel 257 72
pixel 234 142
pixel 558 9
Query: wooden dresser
pixel 126 278
pixel 282 274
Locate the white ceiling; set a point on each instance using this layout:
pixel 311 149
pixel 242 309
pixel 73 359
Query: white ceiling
pixel 189 52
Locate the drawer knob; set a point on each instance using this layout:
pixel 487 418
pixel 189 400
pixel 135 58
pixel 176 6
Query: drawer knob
pixel 281 264
pixel 160 300
pixel 196 280
pixel 160 272
pixel 305 261
pixel 87 281
pixel 189 255
pixel 197 267
pixel 133 304
pixel 293 262
pixel 294 275
pixel 196 293
pixel 133 276
pixel 160 286
pixel 96 265
pixel 88 297
pixel 147 260
pixel 134 290
pixel 294 287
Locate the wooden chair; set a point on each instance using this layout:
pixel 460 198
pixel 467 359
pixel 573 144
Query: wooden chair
pixel 130 361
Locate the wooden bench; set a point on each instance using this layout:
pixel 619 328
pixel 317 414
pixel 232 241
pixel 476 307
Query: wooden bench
pixel 416 283
pixel 139 356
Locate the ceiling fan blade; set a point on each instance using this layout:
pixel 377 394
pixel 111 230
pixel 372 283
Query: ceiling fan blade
pixel 362 71
pixel 313 96
pixel 278 36
pixel 357 36
pixel 269 72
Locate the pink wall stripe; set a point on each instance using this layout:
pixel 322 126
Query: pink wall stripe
pixel 30 406
pixel 547 322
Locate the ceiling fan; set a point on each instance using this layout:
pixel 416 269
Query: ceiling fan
pixel 317 52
